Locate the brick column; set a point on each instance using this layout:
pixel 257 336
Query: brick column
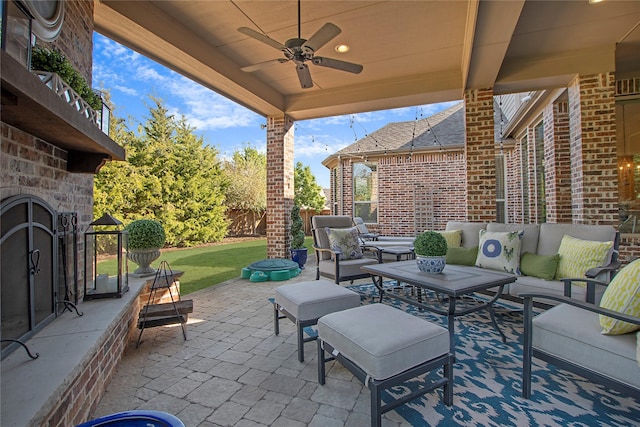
pixel 592 123
pixel 280 169
pixel 557 162
pixel 480 154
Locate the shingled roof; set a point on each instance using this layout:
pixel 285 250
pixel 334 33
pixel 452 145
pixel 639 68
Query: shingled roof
pixel 443 129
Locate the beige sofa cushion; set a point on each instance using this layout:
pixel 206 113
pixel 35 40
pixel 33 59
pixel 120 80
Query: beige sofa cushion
pixel 470 231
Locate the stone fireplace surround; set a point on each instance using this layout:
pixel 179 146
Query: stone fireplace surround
pixel 78 356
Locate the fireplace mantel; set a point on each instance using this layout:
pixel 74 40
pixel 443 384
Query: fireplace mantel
pixel 28 104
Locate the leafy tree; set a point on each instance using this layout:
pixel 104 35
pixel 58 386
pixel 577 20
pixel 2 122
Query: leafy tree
pixel 307 192
pixel 246 174
pixel 170 176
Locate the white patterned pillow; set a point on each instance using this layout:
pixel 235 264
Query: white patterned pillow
pixel 577 256
pixel 345 242
pixel 500 250
pixel 622 295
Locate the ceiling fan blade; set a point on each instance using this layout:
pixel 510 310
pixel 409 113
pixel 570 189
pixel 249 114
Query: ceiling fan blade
pixel 304 76
pixel 261 37
pixel 259 65
pixel 322 36
pixel 337 64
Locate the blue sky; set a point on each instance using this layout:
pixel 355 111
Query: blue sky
pixel 131 78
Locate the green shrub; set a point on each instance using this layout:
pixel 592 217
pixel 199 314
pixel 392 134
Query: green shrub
pixel 43 59
pixel 145 234
pixel 430 243
pixel 297 235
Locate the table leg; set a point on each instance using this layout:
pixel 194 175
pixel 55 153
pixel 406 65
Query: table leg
pixel 378 283
pixel 495 323
pixel 451 326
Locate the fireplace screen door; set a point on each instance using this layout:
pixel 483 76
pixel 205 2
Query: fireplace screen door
pixel 28 256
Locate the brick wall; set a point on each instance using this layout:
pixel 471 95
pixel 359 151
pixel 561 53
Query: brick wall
pixel 593 149
pixel 280 193
pixel 399 176
pixel 513 172
pixel 480 155
pixel 557 162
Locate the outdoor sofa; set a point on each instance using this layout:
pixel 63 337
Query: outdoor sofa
pixel 539 246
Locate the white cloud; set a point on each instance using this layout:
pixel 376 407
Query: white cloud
pixel 317 147
pixel 128 90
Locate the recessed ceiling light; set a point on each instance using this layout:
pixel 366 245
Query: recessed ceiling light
pixel 595 1
pixel 342 48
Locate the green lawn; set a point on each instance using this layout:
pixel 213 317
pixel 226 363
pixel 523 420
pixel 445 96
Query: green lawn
pixel 205 266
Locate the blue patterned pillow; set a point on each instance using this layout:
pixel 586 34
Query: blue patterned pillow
pixel 345 242
pixel 500 251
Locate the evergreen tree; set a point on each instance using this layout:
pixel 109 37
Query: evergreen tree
pixel 170 176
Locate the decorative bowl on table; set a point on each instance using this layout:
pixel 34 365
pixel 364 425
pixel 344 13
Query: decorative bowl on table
pixel 430 264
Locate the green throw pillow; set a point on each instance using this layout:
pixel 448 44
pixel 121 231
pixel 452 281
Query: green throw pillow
pixel 453 237
pixel 577 256
pixel 345 242
pixel 462 256
pixel 622 295
pixel 542 266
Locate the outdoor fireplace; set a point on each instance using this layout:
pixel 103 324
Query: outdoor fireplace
pixel 34 284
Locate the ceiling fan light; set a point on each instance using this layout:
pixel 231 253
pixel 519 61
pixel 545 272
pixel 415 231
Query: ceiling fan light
pixel 342 48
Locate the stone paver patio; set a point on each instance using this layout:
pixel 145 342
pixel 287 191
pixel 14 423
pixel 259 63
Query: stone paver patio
pixel 233 371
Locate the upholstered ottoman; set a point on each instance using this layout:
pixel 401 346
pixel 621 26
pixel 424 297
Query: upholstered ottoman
pixel 384 347
pixel 304 303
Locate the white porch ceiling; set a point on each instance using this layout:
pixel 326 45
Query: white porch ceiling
pixel 413 52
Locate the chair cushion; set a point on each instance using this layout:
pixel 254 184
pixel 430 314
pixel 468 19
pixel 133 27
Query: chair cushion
pixel 542 266
pixel 500 250
pixel 573 334
pixel 577 256
pixel 462 256
pixel 622 295
pixel 345 242
pixel 313 299
pixel 383 341
pixel 453 237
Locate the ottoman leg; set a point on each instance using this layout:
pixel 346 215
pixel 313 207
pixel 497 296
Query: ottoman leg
pixel 276 319
pixel 321 361
pixel 376 415
pixel 300 341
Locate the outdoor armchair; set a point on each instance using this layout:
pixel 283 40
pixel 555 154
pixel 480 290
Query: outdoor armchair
pixel 569 336
pixel 332 262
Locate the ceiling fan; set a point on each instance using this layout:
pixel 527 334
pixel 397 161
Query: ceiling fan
pixel 300 50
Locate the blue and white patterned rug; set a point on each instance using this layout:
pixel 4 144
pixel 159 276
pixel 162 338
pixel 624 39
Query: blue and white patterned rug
pixel 488 382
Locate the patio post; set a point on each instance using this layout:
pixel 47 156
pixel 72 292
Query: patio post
pixel 592 129
pixel 480 153
pixel 280 188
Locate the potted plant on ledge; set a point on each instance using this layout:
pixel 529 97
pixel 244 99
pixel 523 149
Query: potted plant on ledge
pixel 146 238
pixel 298 250
pixel 431 249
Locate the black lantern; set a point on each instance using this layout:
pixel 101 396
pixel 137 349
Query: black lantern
pixel 108 238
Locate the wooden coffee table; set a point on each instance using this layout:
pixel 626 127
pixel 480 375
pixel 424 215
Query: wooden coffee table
pixel 454 282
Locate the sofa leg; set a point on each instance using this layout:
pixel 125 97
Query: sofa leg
pixel 526 349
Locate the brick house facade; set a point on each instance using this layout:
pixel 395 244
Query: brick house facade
pixel 559 154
